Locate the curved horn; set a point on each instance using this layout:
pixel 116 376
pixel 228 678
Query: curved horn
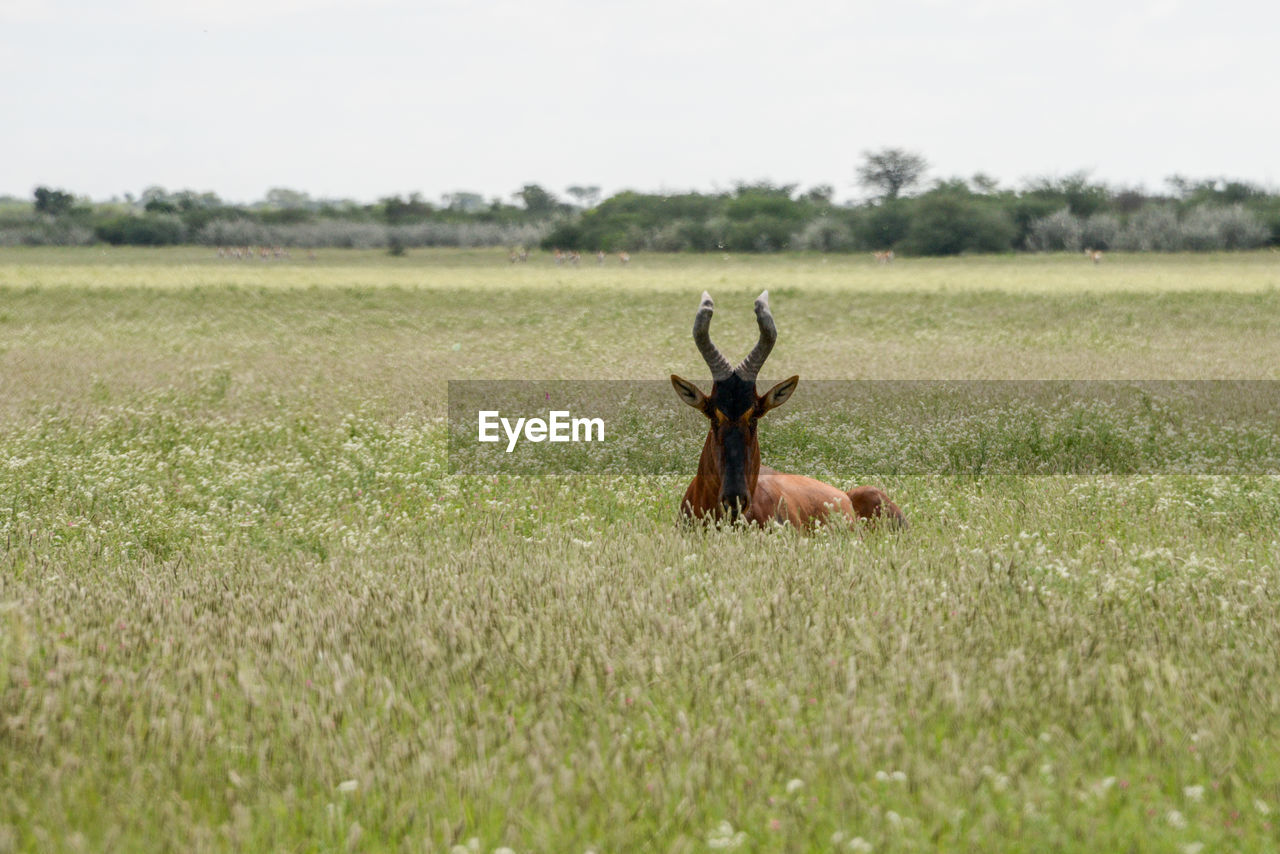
pixel 750 367
pixel 719 365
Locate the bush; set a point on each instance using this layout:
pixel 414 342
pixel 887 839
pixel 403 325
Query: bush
pixel 1267 212
pixel 51 233
pixel 1152 229
pixel 754 204
pixel 700 236
pixel 1100 231
pixel 146 230
pixel 1199 231
pixel 1203 228
pixel 881 226
pixel 951 224
pixel 1027 209
pixel 1058 232
pixel 347 234
pixel 759 234
pixel 682 236
pixel 825 234
pixel 1234 226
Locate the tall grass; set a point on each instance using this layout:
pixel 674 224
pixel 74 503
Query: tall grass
pixel 244 605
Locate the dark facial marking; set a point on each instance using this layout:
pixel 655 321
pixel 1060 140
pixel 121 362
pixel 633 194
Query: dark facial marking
pixel 733 396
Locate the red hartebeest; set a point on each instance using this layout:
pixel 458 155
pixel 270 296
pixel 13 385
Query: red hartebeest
pixel 731 482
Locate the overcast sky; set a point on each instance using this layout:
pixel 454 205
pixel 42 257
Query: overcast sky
pixel 365 98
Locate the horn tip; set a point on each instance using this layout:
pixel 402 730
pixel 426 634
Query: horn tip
pixel 762 301
pixel 707 301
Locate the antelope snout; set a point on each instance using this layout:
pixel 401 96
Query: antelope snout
pixel 735 504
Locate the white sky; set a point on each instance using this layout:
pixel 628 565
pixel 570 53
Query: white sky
pixel 365 98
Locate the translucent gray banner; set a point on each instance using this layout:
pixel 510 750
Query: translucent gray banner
pixel 878 427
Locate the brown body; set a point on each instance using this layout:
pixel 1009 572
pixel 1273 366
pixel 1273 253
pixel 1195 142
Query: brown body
pixel 785 498
pixel 731 483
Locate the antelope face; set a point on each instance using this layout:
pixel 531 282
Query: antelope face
pixel 733 408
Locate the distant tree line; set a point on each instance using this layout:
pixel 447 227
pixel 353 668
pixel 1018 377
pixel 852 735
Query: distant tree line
pixel 900 211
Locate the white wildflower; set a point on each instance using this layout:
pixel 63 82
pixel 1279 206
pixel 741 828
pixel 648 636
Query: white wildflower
pixel 1193 793
pixel 1175 819
pixel 1193 848
pixel 794 785
pixel 722 836
pixel 860 845
pixel 1262 806
pixel 347 786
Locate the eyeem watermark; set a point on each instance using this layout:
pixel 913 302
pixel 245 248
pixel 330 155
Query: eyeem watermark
pixel 842 430
pixel 559 426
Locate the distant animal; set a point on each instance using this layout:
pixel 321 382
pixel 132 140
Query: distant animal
pixel 885 257
pixel 1094 255
pixel 624 257
pixel 731 482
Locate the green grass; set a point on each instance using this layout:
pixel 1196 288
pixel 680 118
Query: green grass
pixel 244 605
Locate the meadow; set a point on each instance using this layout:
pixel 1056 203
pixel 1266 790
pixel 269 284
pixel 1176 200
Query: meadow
pixel 246 605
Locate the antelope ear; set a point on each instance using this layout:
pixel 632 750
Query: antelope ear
pixel 778 395
pixel 689 393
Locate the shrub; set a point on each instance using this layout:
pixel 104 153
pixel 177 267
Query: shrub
pixel 881 226
pixel 699 236
pixel 1061 231
pixel 1100 231
pixel 825 234
pixel 347 234
pixel 146 230
pixel 948 224
pixel 682 236
pixel 1151 229
pixel 759 234
pixel 756 204
pixel 1234 227
pixel 52 233
pixel 1027 209
pixel 1199 231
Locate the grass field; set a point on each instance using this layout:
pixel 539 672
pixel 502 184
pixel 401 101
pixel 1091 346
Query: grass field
pixel 245 606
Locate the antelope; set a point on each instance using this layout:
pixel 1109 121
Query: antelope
pixel 885 257
pixel 1094 255
pixel 731 482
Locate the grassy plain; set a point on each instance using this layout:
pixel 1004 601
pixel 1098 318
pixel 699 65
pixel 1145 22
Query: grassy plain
pixel 244 605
